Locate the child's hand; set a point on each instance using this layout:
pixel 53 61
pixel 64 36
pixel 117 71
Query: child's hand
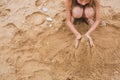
pixel 78 37
pixel 90 40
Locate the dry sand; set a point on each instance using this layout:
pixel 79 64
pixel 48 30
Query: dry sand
pixel 32 48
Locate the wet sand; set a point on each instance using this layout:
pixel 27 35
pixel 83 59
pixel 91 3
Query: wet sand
pixel 32 48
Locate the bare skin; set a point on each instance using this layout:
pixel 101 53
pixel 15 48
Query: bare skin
pixel 77 13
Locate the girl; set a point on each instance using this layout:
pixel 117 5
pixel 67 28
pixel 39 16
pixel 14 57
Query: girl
pixel 87 10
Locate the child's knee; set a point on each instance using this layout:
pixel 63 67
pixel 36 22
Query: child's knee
pixel 77 12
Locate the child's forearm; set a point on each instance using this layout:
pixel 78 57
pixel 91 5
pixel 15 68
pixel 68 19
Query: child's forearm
pixel 93 27
pixel 72 28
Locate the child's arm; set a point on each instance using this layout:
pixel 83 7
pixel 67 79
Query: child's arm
pixel 96 23
pixel 68 5
pixel 97 20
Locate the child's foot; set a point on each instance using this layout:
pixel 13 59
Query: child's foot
pixel 77 41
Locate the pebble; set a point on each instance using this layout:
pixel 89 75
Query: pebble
pixel 45 4
pixel 49 19
pixel 44 9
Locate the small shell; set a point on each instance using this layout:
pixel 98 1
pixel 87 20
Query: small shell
pixel 50 25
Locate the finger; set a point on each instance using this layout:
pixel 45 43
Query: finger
pixel 91 43
pixel 76 43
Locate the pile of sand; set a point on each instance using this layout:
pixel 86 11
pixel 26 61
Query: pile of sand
pixel 33 48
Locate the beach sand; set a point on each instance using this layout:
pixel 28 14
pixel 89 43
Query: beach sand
pixel 35 48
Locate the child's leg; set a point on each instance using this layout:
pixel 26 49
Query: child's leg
pixel 89 14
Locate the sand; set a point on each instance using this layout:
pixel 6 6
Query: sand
pixel 32 48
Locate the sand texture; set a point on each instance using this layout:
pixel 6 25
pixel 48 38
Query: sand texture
pixel 34 48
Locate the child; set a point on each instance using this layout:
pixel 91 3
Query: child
pixel 89 10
